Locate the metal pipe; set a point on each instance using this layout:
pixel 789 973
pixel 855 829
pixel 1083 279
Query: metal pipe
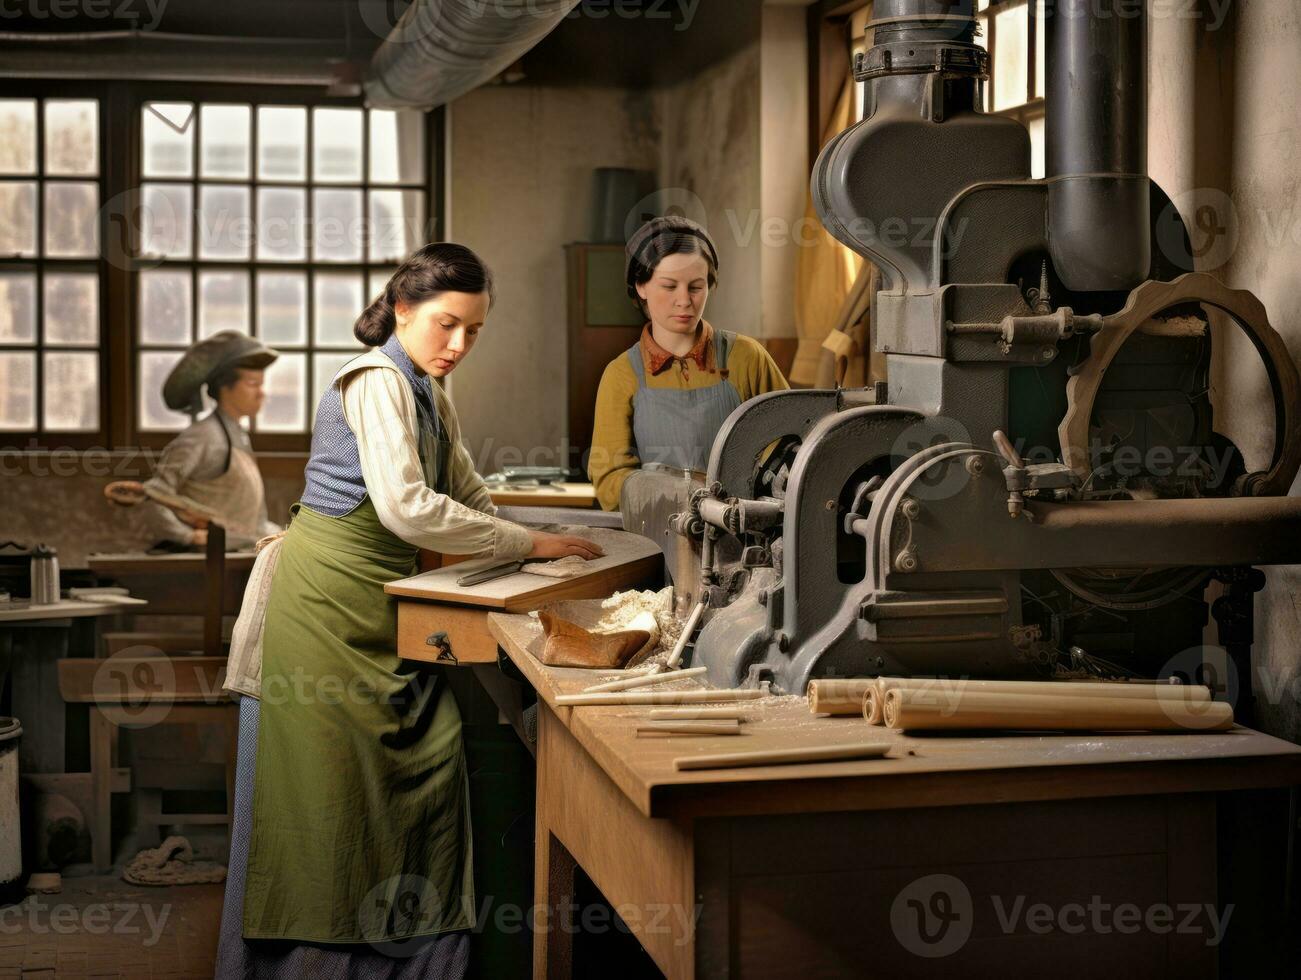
pixel 441 49
pixel 1096 144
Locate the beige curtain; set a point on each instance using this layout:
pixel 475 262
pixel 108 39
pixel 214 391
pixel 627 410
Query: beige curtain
pixel 825 274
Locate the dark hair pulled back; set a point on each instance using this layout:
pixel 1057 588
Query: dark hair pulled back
pixel 440 267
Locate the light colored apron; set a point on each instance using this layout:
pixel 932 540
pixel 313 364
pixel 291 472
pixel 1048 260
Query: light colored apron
pixel 238 494
pixel 676 427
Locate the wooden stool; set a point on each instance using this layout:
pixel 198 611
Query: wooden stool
pixel 137 693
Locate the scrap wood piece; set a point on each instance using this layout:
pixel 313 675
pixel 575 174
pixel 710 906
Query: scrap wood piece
pixel 838 695
pixel 782 757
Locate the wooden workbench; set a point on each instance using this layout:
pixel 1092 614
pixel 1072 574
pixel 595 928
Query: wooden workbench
pixel 825 870
pixel 175 584
pixel 575 495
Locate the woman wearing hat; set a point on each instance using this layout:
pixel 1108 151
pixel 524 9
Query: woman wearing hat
pixel 666 398
pixel 211 463
pixel 358 861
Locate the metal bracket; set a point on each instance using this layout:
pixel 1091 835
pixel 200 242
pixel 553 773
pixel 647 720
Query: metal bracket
pixel 444 646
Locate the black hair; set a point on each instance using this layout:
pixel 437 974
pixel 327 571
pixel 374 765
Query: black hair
pixel 642 265
pixel 439 267
pixel 229 375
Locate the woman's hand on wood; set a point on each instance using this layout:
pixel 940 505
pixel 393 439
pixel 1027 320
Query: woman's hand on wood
pixel 562 546
pixel 125 492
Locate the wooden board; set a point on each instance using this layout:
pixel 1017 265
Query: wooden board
pixel 631 561
pixel 919 770
pixel 577 495
pixel 68 609
pixel 138 563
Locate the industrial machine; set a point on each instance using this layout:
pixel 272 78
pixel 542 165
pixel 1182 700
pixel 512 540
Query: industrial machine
pixel 1039 485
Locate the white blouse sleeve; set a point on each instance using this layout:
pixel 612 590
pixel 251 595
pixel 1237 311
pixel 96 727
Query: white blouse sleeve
pixel 382 417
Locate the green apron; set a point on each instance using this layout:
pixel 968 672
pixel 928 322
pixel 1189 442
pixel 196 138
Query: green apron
pixel 361 828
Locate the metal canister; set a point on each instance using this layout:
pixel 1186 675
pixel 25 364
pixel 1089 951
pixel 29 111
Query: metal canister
pixel 45 576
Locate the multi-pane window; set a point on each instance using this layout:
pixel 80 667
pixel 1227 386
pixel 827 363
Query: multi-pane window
pixel 276 220
pixel 49 266
pixel 1013 33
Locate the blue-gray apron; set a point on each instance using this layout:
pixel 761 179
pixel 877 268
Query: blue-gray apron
pixel 677 427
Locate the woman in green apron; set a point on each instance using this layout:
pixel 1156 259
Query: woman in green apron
pixel 359 858
pixel 664 400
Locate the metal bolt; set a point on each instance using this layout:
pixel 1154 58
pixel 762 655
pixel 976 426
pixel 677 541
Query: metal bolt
pixel 1048 353
pixel 906 561
pixel 831 505
pixel 783 642
pixel 975 465
pixel 911 509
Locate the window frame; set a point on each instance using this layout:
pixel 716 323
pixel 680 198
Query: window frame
pixel 121 179
pixel 1035 105
pixel 40 438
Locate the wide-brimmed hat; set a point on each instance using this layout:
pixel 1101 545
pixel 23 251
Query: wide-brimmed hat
pixel 183 389
pixel 639 245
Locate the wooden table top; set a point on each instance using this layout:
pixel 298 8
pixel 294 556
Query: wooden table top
pixel 522 590
pixel 579 495
pixel 919 771
pixel 68 609
pixel 139 563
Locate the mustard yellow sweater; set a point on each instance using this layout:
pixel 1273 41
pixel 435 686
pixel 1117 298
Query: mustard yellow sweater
pixel 751 371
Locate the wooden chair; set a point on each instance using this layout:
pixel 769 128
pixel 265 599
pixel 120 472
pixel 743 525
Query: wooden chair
pixel 137 693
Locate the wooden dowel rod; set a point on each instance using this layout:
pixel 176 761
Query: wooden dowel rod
pixel 838 696
pixel 687 630
pixel 689 728
pixel 910 710
pixel 950 687
pixel 701 696
pixel 781 757
pixel 657 676
pixel 691 712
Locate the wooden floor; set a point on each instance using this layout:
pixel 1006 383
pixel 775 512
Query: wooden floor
pixel 102 927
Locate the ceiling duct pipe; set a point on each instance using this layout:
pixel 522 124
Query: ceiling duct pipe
pixel 441 49
pixel 1098 197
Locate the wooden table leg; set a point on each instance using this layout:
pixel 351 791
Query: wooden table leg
pixel 554 867
pixel 103 745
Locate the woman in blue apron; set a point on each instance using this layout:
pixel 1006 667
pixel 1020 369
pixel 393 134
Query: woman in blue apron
pixel 666 398
pixel 356 860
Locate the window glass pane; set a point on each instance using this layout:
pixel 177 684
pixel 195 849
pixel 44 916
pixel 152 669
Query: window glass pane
pixel 165 307
pixel 336 142
pixel 338 304
pixel 281 143
pixel 1036 127
pixel 282 220
pixel 71 220
pixel 223 302
pixel 18 148
pixel 282 308
pixel 17 218
pixel 1041 50
pixel 224 149
pixel 1011 47
pixel 17 390
pixel 324 368
pixel 336 226
pixel 165 221
pixel 72 137
pixel 17 307
pixel 225 226
pixel 397 224
pixel 285 409
pixel 72 308
pixel 397 146
pixel 376 282
pixel 168 135
pixel 155 366
pixel 71 383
